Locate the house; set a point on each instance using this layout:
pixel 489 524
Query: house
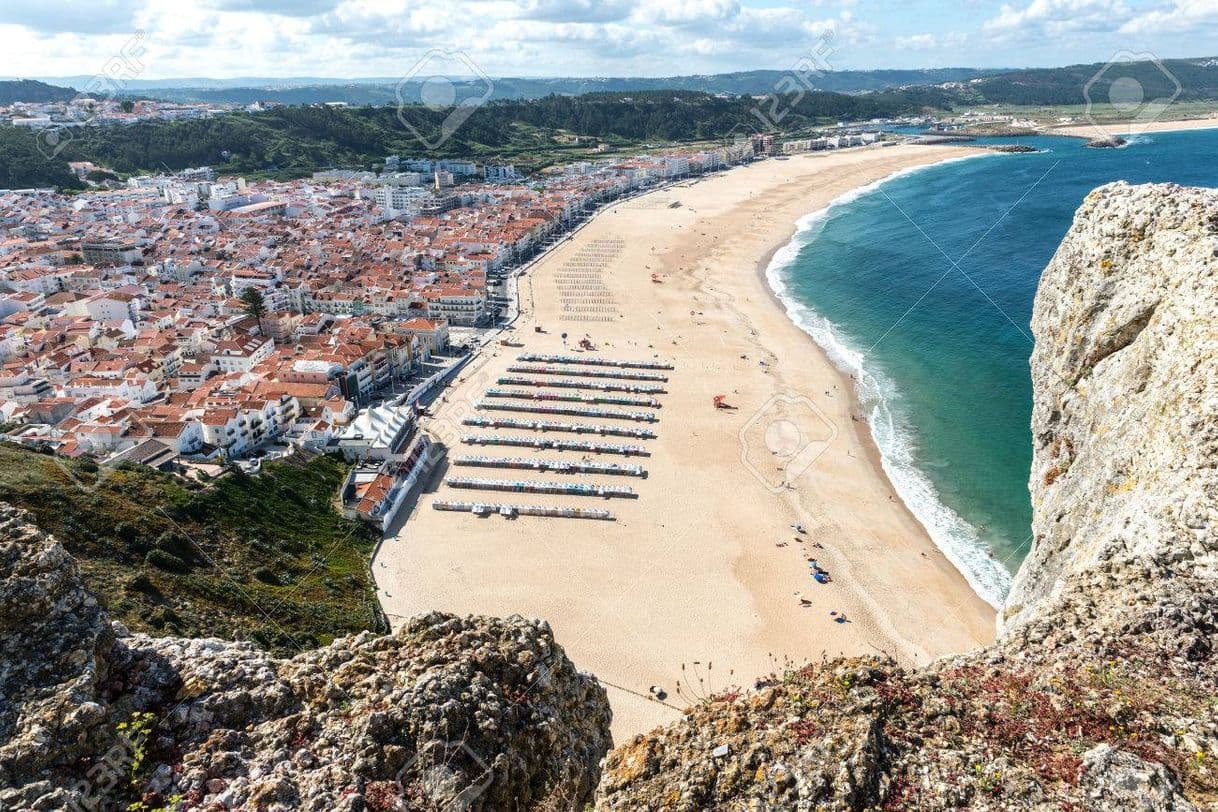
pixel 241 354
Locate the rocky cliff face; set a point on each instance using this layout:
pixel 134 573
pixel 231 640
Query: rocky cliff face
pixel 480 713
pixel 1100 692
pixel 1125 423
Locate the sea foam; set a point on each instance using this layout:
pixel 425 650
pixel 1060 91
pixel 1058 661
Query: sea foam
pixel 879 396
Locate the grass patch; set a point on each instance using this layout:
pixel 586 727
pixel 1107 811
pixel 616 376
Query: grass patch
pixel 263 558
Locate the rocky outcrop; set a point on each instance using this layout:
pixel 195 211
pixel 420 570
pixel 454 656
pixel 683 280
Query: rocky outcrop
pixel 481 713
pixel 1125 420
pixel 1099 693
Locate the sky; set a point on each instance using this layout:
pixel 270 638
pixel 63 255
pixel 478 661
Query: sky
pixel 156 39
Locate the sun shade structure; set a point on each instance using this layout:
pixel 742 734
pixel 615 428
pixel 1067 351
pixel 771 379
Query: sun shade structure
pixel 484 509
pixel 557 445
pixel 569 428
pixel 534 486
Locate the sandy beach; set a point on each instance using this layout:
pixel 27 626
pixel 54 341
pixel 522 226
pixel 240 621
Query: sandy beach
pixel 697 583
pixel 1093 130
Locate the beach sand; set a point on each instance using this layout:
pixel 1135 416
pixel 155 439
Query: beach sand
pixel 1092 130
pixel 691 571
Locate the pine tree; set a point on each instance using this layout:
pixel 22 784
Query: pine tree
pixel 255 305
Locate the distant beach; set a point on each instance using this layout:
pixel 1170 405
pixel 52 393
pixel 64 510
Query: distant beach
pixel 704 566
pixel 1157 126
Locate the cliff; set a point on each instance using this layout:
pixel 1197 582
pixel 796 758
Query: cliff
pixel 488 713
pixel 1099 692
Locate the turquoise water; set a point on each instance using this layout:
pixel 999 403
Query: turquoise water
pixel 922 287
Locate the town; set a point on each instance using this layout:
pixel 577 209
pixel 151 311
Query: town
pixel 190 322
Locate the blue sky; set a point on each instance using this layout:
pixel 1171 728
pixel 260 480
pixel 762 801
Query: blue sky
pixel 227 38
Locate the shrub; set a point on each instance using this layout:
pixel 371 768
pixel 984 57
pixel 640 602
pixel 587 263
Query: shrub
pixel 267 576
pixel 166 561
pixel 175 544
pixel 140 582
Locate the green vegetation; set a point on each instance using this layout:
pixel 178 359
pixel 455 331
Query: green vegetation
pixel 28 90
pixel 264 558
pixel 294 141
pixel 1179 79
pixel 24 165
pixel 254 304
pixel 389 91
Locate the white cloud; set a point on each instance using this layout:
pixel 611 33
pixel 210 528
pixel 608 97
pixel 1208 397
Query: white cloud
pixel 99 17
pixel 931 42
pixel 577 37
pixel 1055 18
pixel 1182 15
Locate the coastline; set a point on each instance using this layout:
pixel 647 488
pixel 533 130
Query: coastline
pixel 1168 126
pixel 989 586
pixel 702 567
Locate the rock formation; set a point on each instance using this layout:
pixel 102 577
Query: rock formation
pixel 1100 691
pixel 1106 142
pixel 486 713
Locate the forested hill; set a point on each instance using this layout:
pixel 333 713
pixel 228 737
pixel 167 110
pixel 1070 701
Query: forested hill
pixel 389 91
pixel 306 138
pixel 1171 79
pixel 28 90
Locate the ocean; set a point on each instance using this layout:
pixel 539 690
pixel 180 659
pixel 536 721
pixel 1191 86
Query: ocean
pixel 921 286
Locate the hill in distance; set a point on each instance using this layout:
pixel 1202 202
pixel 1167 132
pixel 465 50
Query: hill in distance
pixel 1183 79
pixel 385 90
pixel 29 90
